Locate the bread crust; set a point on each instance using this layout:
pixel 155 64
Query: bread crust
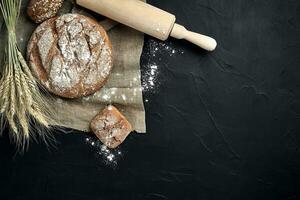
pixel 70 55
pixel 41 10
pixel 111 127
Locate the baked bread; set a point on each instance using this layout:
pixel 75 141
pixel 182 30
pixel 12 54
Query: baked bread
pixel 41 10
pixel 111 127
pixel 70 55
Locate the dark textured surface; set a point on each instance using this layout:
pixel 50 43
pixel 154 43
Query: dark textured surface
pixel 222 125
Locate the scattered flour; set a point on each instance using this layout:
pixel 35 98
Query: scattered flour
pixel 151 72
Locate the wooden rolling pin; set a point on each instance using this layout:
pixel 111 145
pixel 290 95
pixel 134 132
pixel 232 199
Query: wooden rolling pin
pixel 147 19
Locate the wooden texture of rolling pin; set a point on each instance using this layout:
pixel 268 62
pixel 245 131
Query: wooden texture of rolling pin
pixel 147 19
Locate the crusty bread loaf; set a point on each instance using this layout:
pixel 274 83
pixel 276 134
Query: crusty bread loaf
pixel 111 127
pixel 71 55
pixel 41 10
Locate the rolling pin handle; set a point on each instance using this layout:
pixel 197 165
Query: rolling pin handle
pixel 203 41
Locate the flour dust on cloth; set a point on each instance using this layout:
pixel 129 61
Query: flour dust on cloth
pixel 122 89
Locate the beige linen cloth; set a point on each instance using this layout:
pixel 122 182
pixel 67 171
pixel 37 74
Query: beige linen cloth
pixel 123 88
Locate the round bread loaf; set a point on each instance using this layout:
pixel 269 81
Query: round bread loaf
pixel 71 55
pixel 41 10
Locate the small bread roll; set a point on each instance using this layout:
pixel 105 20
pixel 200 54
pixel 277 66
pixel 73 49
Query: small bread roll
pixel 70 55
pixel 111 127
pixel 41 10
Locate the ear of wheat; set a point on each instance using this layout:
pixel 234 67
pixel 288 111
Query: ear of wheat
pixel 21 102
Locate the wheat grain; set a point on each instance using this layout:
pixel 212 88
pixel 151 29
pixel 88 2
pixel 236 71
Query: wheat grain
pixel 12 106
pixel 5 95
pixel 27 98
pixel 21 112
pixel 24 65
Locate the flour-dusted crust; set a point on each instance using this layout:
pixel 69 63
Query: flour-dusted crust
pixel 111 127
pixel 71 55
pixel 41 10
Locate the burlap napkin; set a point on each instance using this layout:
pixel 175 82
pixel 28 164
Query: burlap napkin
pixel 123 88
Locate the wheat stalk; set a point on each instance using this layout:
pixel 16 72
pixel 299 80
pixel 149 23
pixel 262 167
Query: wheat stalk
pixel 20 97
